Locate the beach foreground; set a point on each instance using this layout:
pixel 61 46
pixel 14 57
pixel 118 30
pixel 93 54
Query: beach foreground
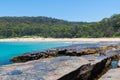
pixel 59 39
pixel 53 69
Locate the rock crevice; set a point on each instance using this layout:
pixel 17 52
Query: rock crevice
pixel 90 72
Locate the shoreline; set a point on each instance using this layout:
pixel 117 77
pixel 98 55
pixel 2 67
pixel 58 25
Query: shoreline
pixel 60 40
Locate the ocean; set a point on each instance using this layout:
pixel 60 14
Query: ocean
pixel 10 49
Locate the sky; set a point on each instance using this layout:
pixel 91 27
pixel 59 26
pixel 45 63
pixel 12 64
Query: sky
pixel 71 10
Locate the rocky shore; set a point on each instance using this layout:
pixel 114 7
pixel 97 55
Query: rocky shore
pixel 74 50
pixel 67 51
pixel 66 63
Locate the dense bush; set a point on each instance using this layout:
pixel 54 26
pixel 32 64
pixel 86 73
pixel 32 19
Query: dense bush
pixel 50 27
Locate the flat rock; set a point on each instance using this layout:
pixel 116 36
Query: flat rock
pixel 112 74
pixel 45 69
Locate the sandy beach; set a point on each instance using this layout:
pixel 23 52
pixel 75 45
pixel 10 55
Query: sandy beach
pixel 59 39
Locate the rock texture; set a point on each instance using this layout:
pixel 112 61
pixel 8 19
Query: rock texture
pixel 69 51
pixel 90 72
pixel 44 69
pixel 112 74
pixel 54 68
pixel 58 68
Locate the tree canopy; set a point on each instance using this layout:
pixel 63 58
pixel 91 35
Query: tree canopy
pixel 56 28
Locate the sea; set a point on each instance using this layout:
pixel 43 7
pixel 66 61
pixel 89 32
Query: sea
pixel 9 50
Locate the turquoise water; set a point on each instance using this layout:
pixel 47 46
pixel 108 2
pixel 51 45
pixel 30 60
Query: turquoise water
pixel 11 49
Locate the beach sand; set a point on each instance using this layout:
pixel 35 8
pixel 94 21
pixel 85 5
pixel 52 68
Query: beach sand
pixel 59 39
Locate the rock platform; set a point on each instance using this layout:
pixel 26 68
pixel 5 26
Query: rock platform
pixel 66 63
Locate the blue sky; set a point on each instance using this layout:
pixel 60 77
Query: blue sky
pixel 71 10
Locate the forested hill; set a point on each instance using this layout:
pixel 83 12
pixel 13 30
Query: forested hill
pixel 56 28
